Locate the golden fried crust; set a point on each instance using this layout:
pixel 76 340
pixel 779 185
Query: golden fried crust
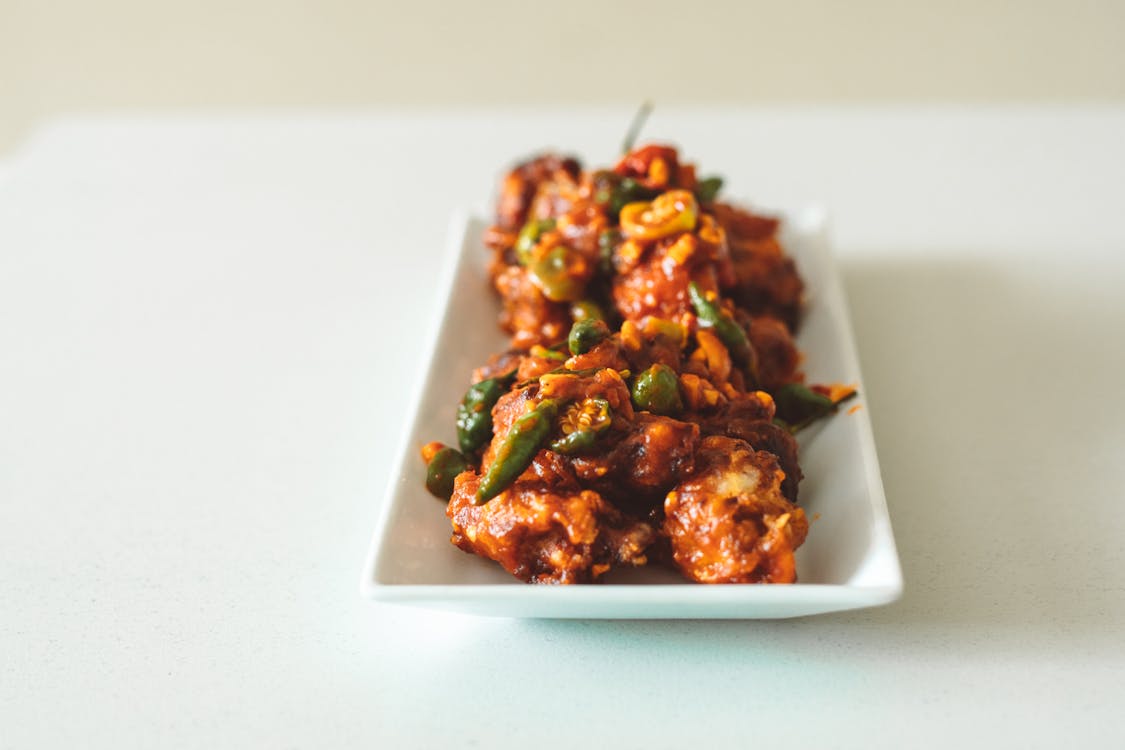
pixel 658 287
pixel 767 280
pixel 521 186
pixel 580 226
pixel 605 384
pixel 769 437
pixel 729 522
pixel 530 317
pixel 498 365
pixel 546 535
pixel 741 224
pixel 606 354
pixel 751 419
pixel 655 453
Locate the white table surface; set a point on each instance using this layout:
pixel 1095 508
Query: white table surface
pixel 207 326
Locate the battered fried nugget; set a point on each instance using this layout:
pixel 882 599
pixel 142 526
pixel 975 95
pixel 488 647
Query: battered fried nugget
pixel 767 281
pixel 653 281
pixel 522 184
pixel 655 453
pixel 729 522
pixel 530 317
pixel 777 353
pixel 543 534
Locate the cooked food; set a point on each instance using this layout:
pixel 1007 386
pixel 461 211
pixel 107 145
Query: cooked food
pixel 729 522
pixel 546 532
pixel 645 410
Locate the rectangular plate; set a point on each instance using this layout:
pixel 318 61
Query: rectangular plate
pixel 848 561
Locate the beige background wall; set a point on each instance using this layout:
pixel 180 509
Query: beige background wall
pixel 59 56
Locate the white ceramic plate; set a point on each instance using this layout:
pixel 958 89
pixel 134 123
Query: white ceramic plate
pixel 848 561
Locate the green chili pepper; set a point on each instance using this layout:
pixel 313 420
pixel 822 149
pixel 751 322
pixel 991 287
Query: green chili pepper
pixel 728 331
pixel 657 390
pixel 627 191
pixel 708 188
pixel 557 274
pixel 586 334
pixel 586 309
pixel 798 406
pixel 474 414
pixel 442 470
pixel 529 235
pixel 517 449
pixel 576 442
pixel 635 126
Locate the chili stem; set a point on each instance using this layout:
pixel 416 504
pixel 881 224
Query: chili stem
pixel 635 126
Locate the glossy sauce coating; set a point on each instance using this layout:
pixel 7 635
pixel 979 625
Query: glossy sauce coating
pixel 729 522
pixel 651 437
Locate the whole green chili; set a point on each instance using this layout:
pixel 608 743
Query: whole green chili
pixel 729 332
pixel 579 441
pixel 474 413
pixel 442 470
pixel 516 451
pixel 657 390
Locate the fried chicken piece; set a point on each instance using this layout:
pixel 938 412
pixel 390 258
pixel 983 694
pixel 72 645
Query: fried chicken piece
pixel 742 224
pixel 498 365
pixel 777 353
pixel 605 354
pixel 605 383
pixel 729 522
pixel 769 437
pixel 655 453
pixel 751 419
pixel 656 282
pixel 652 341
pixel 542 534
pixel 650 289
pixel 657 167
pixel 767 281
pixel 535 364
pixel 522 185
pixel 530 317
pixel 580 227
